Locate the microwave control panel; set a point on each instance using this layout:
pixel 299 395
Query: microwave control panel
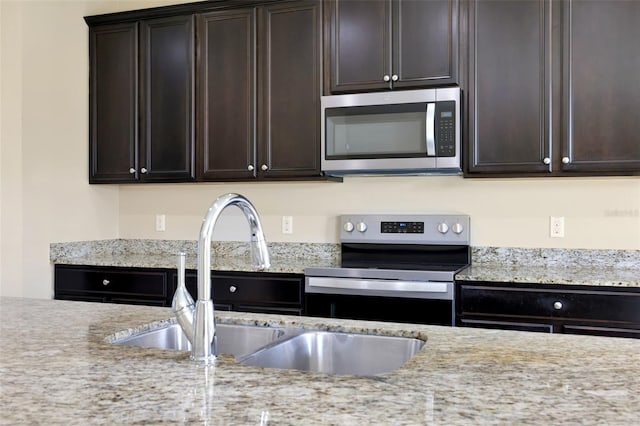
pixel 446 128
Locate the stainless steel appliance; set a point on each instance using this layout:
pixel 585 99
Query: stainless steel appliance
pixel 393 268
pixel 411 131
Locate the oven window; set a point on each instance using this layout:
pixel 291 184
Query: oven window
pixel 380 131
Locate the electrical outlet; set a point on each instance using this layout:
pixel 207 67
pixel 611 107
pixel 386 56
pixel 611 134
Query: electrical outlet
pixel 556 227
pixel 287 224
pixel 160 222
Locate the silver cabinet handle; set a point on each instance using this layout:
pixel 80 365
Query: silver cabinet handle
pixel 250 167
pixel 106 282
pixel 143 170
pixel 132 170
pixel 557 305
pixel 232 289
pixel 264 167
pixel 546 160
pixel 394 77
pixel 565 160
pixel 386 78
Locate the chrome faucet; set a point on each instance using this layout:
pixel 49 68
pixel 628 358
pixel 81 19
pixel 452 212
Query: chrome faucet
pixel 197 319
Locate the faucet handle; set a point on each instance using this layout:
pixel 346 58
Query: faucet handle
pixel 183 305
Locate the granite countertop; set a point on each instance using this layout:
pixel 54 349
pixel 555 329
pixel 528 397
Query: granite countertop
pixel 619 268
pixel 56 368
pixel 576 275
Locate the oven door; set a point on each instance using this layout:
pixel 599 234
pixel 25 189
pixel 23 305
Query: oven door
pixel 380 300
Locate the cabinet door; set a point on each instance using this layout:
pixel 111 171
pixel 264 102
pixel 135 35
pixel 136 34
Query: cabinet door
pixel 167 99
pixel 227 107
pixel 602 90
pixel 113 97
pixel 360 43
pixel 425 43
pixel 509 87
pixel 289 93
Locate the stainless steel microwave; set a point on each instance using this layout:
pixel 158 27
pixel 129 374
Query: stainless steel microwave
pixel 410 132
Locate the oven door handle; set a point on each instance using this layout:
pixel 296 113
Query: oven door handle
pixel 366 285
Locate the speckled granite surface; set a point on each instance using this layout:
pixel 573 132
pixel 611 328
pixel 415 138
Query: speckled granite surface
pixel 619 268
pixel 546 266
pixel 55 368
pixel 227 256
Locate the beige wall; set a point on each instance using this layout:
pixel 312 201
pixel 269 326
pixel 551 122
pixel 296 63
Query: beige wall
pixel 45 197
pixel 599 213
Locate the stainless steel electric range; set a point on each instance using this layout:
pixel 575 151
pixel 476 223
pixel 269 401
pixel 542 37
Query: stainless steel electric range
pixel 394 268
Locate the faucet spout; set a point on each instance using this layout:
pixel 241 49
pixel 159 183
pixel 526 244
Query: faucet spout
pixel 202 326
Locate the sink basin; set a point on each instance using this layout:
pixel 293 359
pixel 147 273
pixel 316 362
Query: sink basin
pixel 337 353
pixel 233 339
pixel 294 348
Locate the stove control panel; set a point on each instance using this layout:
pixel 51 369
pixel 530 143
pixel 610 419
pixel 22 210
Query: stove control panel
pixel 405 229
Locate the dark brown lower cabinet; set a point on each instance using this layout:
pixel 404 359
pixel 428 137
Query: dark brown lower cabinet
pixel 604 311
pixel 138 286
pixel 262 292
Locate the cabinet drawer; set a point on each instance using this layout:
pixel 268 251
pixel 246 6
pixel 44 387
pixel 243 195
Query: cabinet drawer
pixel 258 289
pixel 111 282
pixel 250 291
pixel 599 305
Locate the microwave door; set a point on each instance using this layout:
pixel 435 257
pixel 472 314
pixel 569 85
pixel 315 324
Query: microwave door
pixel 430 129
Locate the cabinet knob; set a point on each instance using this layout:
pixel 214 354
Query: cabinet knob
pixel 557 305
pixel 232 289
pixel 250 167
pixel 264 167
pixel 386 78
pixel 546 160
pixel 394 77
pixel 565 160
pixel 106 282
pixel 132 170
pixel 143 170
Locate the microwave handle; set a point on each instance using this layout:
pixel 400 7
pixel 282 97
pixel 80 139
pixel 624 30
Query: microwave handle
pixel 431 140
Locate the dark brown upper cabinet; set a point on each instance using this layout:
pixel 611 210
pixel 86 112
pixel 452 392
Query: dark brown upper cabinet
pixel 167 86
pixel 259 74
pixel 391 44
pixel 509 94
pixel 113 102
pixel 601 87
pixel 141 101
pixel 547 95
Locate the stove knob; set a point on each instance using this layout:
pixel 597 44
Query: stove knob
pixel 443 228
pixel 348 227
pixel 361 226
pixel 457 228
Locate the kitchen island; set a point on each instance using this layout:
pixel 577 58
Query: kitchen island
pixel 57 367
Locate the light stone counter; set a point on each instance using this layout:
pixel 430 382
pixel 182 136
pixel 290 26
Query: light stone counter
pixel 56 368
pixel 613 268
pixel 619 268
pixel 577 275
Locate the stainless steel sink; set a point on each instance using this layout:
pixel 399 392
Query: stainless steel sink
pixel 232 339
pixel 337 353
pixel 294 348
